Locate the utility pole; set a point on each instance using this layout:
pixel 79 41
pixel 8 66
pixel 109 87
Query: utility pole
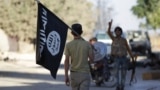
pixel 103 15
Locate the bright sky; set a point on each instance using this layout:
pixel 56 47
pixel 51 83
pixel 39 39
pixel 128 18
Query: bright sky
pixel 122 15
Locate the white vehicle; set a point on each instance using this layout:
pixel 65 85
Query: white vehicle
pixel 102 36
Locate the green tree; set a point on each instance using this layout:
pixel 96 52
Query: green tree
pixel 19 17
pixel 148 10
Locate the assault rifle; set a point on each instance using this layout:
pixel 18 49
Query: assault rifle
pixel 133 71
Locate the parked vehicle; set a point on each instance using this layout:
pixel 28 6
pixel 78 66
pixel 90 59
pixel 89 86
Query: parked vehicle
pixel 139 42
pixel 102 36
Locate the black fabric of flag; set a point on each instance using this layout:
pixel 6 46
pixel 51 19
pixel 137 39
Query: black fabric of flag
pixel 51 39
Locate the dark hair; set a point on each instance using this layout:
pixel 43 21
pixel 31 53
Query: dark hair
pixel 93 39
pixel 77 29
pixel 118 28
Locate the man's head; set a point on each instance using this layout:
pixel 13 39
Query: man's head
pixel 93 40
pixel 77 29
pixel 118 31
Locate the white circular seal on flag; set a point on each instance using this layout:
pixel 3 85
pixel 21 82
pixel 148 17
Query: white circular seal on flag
pixel 53 43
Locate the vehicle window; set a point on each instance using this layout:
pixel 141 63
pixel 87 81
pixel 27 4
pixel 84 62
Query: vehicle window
pixel 136 35
pixel 102 36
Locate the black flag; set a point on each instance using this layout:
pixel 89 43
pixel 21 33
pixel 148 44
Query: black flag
pixel 51 39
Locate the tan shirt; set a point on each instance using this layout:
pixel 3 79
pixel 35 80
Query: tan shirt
pixel 79 51
pixel 119 47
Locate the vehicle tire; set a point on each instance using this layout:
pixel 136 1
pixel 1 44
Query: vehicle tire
pixel 99 83
pixel 111 82
pixel 98 79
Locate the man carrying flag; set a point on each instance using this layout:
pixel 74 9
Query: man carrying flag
pixel 51 38
pixel 77 53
